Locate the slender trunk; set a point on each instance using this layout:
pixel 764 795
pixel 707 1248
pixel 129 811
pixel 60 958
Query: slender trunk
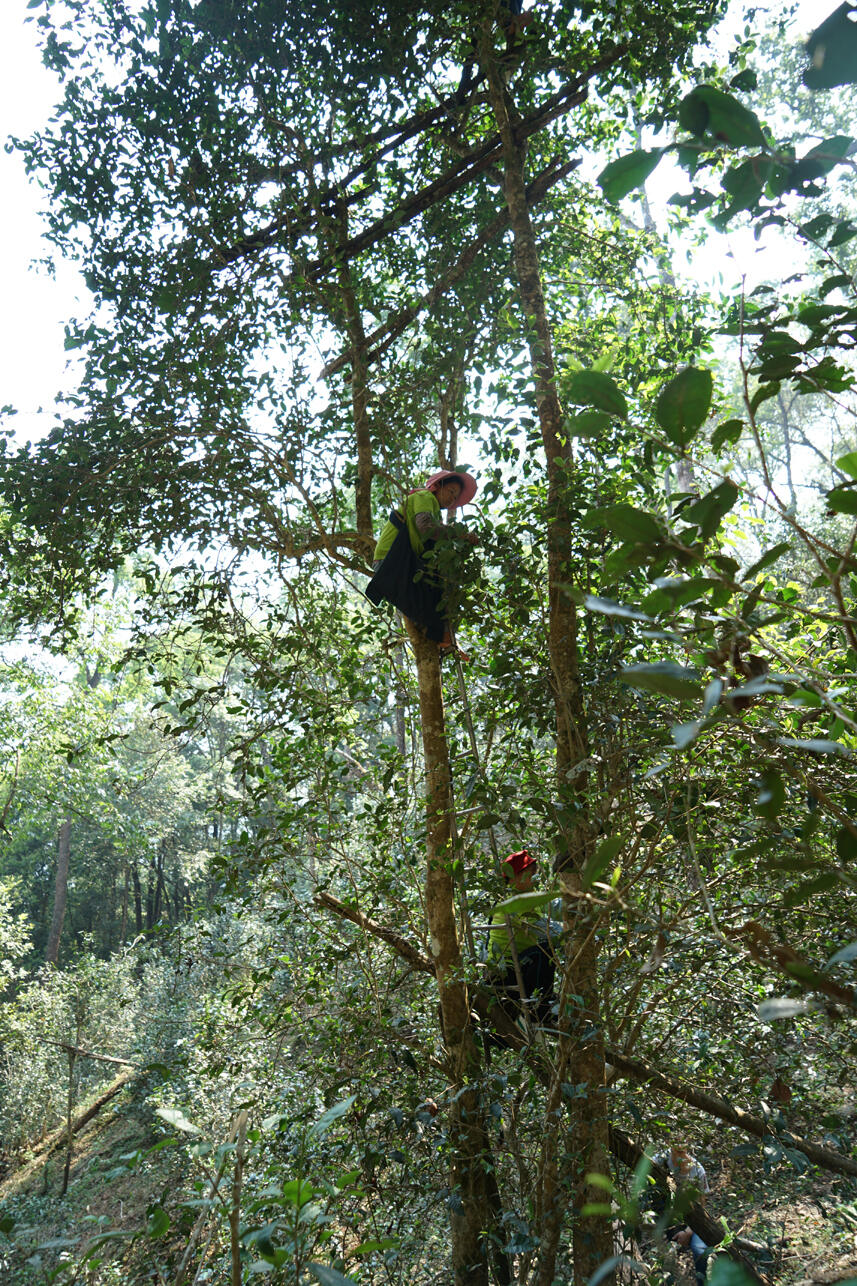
pixel 235 1208
pixel 162 900
pixel 348 308
pixel 138 899
pixel 566 1161
pixel 360 412
pixel 72 1056
pixel 124 929
pixel 474 1206
pixel 60 891
pixel 158 869
pixel 787 449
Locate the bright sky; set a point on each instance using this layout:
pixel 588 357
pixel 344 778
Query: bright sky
pixel 36 307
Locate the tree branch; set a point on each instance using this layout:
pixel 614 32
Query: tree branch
pixel 400 945
pixel 713 1105
pixel 383 336
pixel 489 1010
pixel 473 163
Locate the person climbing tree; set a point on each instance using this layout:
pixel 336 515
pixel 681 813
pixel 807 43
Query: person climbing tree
pixel 686 1174
pixel 401 574
pixel 523 946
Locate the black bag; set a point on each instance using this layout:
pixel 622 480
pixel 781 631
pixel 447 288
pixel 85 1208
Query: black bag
pixel 404 580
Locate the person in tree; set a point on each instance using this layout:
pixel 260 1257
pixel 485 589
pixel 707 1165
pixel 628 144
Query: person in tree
pixel 401 575
pixel 523 943
pixel 685 1172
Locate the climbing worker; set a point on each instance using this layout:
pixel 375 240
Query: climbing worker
pixel 521 946
pixel 684 1172
pixel 401 575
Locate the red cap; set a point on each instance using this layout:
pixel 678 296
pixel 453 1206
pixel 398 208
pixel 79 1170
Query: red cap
pixel 520 861
pixel 468 484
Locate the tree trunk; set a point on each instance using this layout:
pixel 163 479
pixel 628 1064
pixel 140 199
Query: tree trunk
pixel 474 1206
pixel 360 412
pixel 60 891
pixel 580 1058
pixel 124 928
pixel 138 899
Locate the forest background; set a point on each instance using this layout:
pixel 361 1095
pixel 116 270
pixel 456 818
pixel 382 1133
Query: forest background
pixel 249 830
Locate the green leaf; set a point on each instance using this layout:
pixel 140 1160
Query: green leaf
pixel 609 608
pixel 843 499
pixel 744 184
pixel 832 50
pixel 601 859
pixel 683 403
pixel 843 956
pixel 846 844
pixel 175 1117
pixel 845 231
pixel 594 388
pixel 524 902
pixel 824 156
pixel 329 1276
pixel 745 80
pixel 772 794
pixel 626 522
pixel 813 314
pixel 298 1192
pixel 729 431
pixel 332 1114
pixel 725 1272
pixel 762 394
pixel 158 1222
pixel 685 734
pixel 626 173
pixel 708 512
pixel 767 559
pixel 710 110
pixel 376 1243
pixel 665 677
pixel 818 745
pixel 588 424
pixel 848 464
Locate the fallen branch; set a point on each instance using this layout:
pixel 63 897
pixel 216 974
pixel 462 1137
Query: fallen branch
pixel 88 1053
pixel 400 945
pixel 56 1140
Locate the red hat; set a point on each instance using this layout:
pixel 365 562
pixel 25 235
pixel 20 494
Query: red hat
pixel 468 484
pixel 520 861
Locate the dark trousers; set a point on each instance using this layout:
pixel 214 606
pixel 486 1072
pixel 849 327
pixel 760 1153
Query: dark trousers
pixel 538 971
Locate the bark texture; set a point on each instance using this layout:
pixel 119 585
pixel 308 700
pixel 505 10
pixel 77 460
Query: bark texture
pixel 474 1201
pixel 568 1154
